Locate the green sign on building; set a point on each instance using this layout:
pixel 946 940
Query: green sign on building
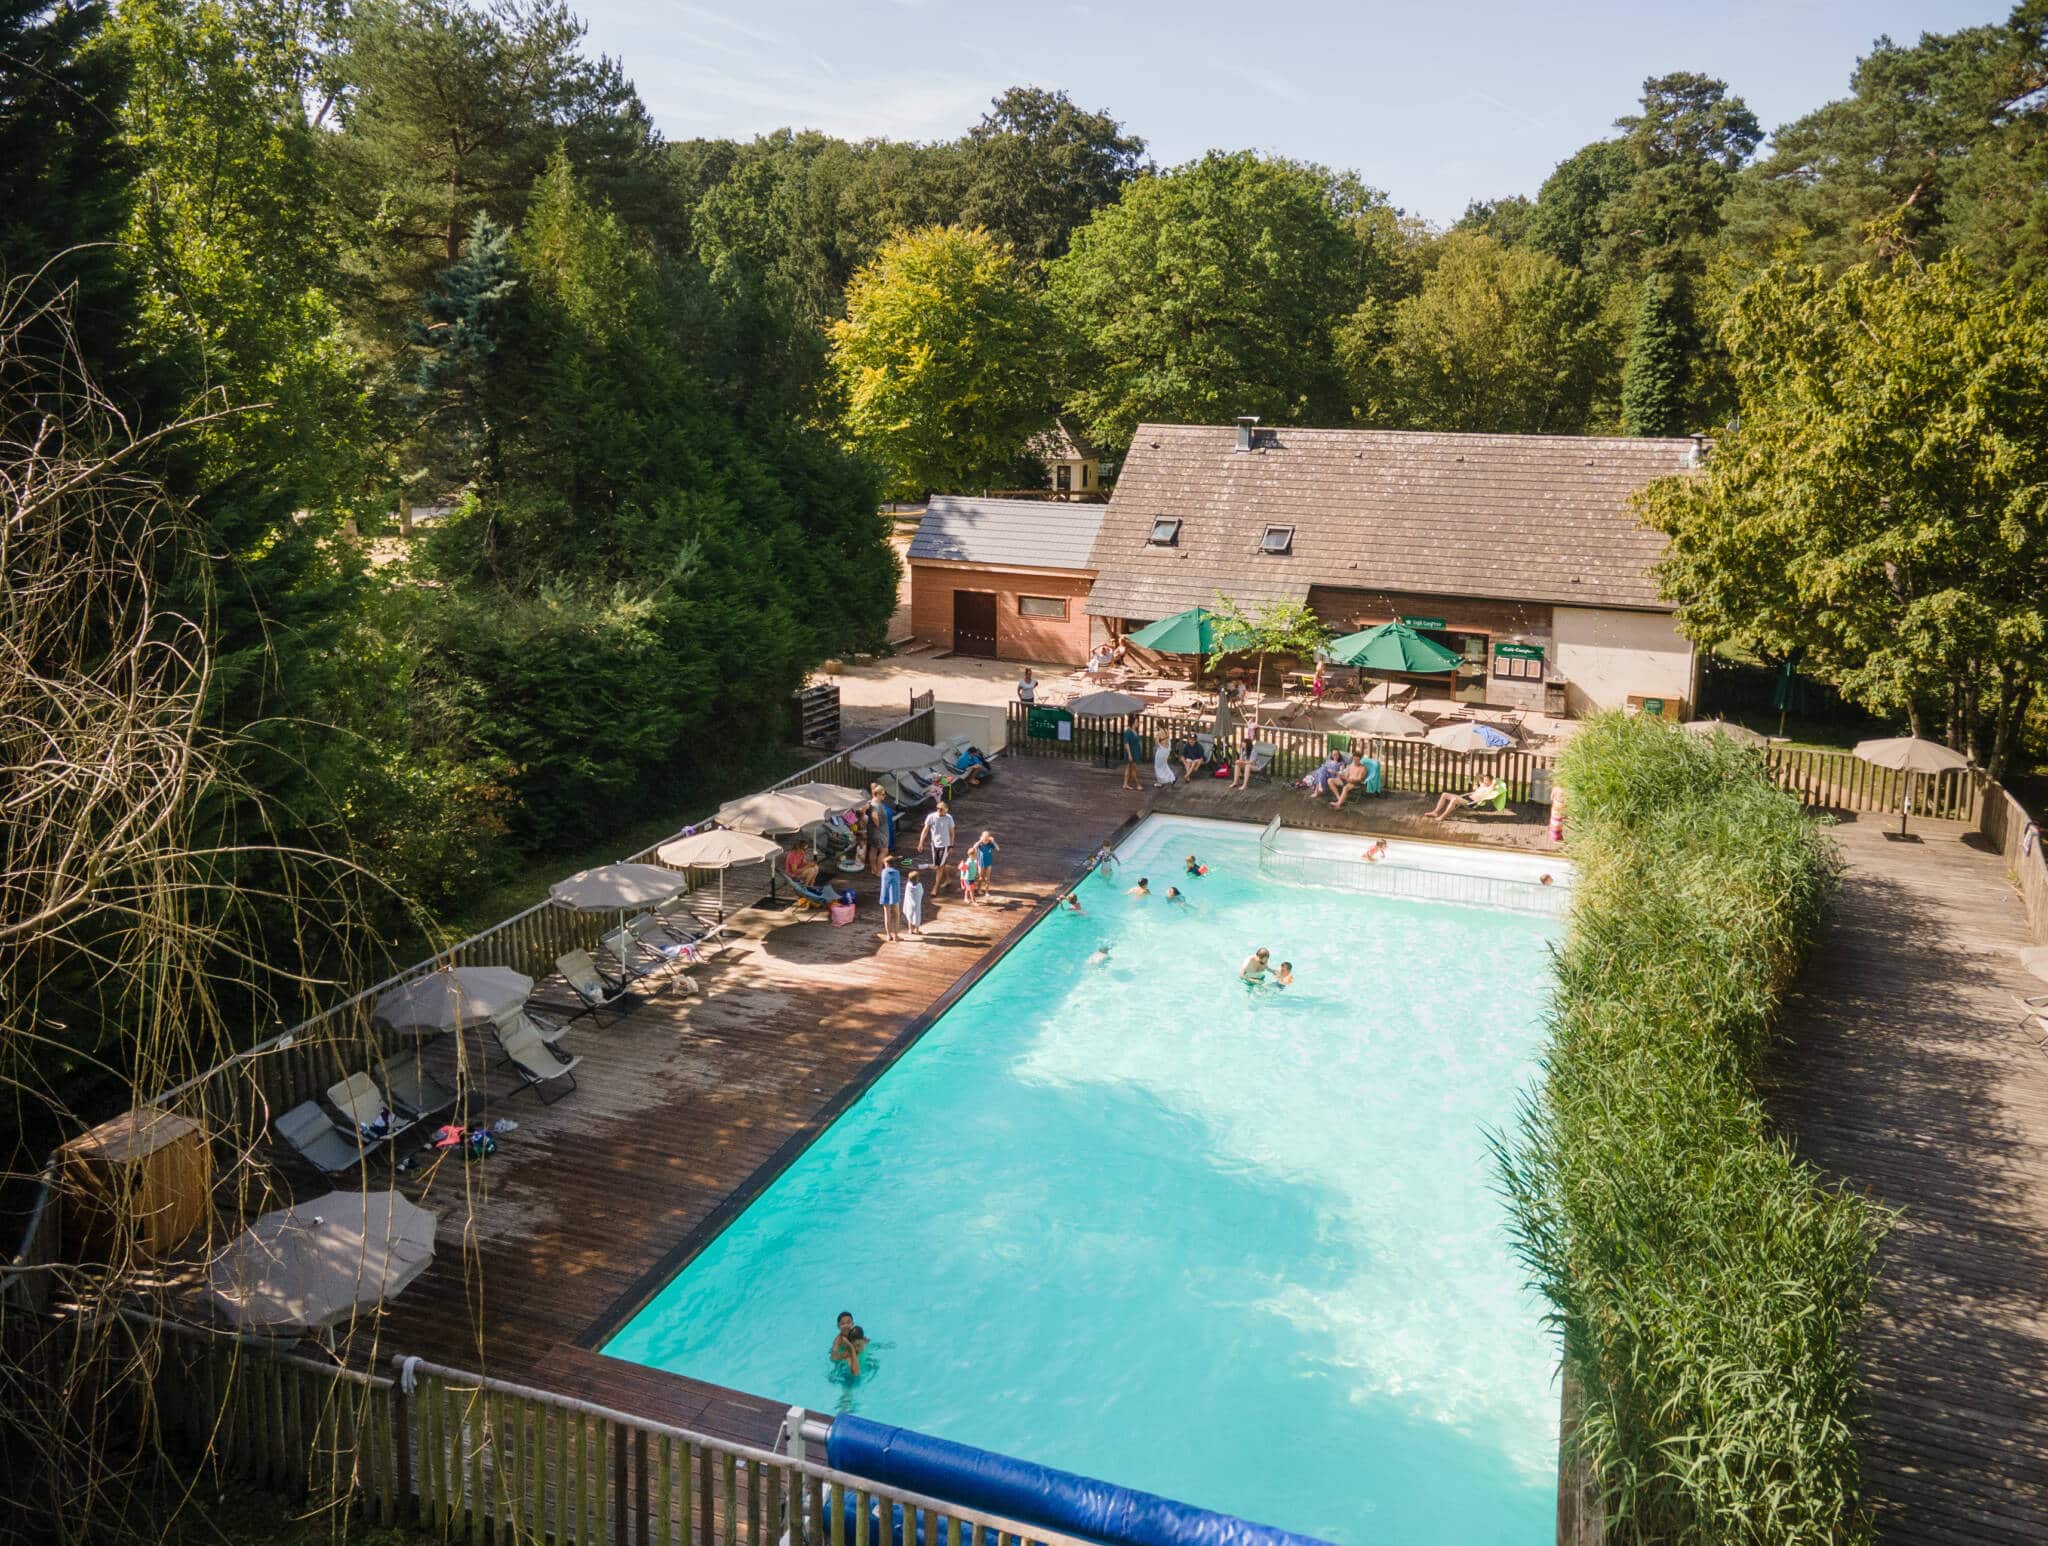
pixel 1424 622
pixel 1519 651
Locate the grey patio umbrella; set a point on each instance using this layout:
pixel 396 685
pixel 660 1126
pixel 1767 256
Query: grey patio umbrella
pixel 1910 754
pixel 313 1265
pixel 453 999
pixel 840 797
pixel 778 810
pixel 1105 705
pixel 616 887
pixel 1379 719
pixel 895 756
pixel 720 850
pixel 1741 735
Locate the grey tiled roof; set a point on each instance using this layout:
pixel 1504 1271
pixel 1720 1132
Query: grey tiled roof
pixel 1015 533
pixel 1506 517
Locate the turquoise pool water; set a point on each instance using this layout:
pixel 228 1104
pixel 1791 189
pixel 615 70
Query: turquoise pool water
pixel 1115 1214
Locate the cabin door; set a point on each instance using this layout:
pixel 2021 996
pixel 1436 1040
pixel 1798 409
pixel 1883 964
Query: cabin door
pixel 974 623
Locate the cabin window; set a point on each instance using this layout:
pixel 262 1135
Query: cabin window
pixel 1165 532
pixel 1063 478
pixel 1086 470
pixel 1042 606
pixel 1278 539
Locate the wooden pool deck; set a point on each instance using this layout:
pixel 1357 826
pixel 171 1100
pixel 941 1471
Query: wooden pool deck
pixel 687 1106
pixel 1906 1074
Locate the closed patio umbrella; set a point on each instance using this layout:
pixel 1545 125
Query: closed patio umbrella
pixel 777 810
pixel 720 850
pixel 453 999
pixel 313 1265
pixel 1910 754
pixel 894 756
pixel 1378 719
pixel 1469 738
pixel 1105 705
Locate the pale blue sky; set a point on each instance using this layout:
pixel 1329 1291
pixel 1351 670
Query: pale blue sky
pixel 1435 102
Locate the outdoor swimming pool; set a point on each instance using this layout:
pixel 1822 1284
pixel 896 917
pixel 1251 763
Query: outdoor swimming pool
pixel 1113 1213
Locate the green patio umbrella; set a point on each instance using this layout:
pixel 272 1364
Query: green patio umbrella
pixel 1395 647
pixel 1196 631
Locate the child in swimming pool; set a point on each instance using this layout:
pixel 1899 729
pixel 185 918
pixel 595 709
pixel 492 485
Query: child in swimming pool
pixel 1196 866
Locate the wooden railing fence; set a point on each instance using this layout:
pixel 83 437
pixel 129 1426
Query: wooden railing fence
pixel 1825 780
pixel 298 1063
pixel 477 1459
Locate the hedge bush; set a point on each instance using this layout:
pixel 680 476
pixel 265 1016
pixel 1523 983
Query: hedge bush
pixel 1706 1283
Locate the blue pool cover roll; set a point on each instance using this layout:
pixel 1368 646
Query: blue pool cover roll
pixel 1034 1494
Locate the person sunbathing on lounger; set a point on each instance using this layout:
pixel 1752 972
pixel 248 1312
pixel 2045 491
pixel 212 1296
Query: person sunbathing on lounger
pixel 1355 777
pixel 1316 782
pixel 1450 803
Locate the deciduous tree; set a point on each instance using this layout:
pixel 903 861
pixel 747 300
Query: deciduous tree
pixel 1208 292
pixel 1496 340
pixel 1883 506
pixel 1037 166
pixel 945 358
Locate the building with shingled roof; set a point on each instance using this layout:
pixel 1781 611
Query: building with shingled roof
pixel 1518 552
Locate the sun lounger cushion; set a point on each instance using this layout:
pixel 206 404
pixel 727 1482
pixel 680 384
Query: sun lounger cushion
pixel 313 1136
pixel 360 1100
pixel 536 1063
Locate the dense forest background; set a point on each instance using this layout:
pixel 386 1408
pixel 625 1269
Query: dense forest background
pixel 414 252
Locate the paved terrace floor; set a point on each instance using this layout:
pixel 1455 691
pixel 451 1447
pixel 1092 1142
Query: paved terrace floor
pixel 1906 1075
pixel 686 1107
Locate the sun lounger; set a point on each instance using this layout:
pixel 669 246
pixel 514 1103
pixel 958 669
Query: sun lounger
pixel 537 1064
pixel 368 1109
pixel 684 928
pixel 1262 755
pixel 673 945
pixel 311 1134
pixel 414 1091
pixel 635 961
pixel 597 993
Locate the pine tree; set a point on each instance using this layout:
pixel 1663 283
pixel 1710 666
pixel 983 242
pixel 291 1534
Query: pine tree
pixel 464 316
pixel 1653 385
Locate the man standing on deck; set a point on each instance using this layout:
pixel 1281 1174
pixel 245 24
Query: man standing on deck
pixel 938 837
pixel 1134 754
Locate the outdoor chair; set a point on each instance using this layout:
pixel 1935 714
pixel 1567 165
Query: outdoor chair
pixel 812 896
pixel 537 1064
pixel 312 1134
pixel 369 1110
pixel 678 946
pixel 1262 755
pixel 414 1091
pixel 597 993
pixel 633 961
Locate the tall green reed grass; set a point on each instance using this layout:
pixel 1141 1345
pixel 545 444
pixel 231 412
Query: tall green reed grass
pixel 1706 1283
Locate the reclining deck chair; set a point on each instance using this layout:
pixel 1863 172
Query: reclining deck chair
pixel 312 1134
pixel 537 1064
pixel 369 1110
pixel 597 993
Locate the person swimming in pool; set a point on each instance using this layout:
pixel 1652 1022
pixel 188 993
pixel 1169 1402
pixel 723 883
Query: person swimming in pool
pixel 847 1346
pixel 1253 972
pixel 1377 852
pixel 1142 889
pixel 1284 978
pixel 1175 899
pixel 1072 903
pixel 1195 866
pixel 1105 860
